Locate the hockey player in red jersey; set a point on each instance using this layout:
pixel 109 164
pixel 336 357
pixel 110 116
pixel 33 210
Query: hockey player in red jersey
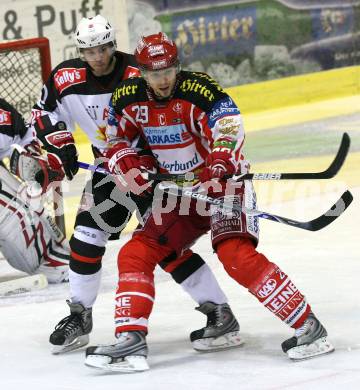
pixel 191 126
pixel 29 240
pixel 78 92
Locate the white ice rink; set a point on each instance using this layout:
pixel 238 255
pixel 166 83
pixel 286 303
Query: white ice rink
pixel 325 265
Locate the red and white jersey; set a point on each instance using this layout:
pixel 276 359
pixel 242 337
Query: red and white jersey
pixel 74 95
pixel 12 129
pixel 182 131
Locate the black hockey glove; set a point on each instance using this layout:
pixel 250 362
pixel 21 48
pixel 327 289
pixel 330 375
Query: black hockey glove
pixel 57 140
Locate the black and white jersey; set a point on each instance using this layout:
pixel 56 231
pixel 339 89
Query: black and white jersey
pixel 12 129
pixel 73 94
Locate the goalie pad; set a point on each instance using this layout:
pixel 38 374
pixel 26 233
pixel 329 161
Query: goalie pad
pixel 36 170
pixel 29 240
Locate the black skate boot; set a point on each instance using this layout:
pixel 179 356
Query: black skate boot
pixel 221 330
pixel 310 340
pixel 72 332
pixel 128 354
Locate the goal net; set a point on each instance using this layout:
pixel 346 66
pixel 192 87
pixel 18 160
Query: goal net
pixel 24 66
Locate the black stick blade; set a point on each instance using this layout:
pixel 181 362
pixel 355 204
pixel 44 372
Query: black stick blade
pixel 325 219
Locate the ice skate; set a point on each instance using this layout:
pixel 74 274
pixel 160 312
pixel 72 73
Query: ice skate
pixel 72 332
pixel 127 355
pixel 310 340
pixel 221 330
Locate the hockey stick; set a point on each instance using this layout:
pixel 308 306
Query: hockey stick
pixel 316 224
pixel 313 225
pixel 330 172
pixel 22 285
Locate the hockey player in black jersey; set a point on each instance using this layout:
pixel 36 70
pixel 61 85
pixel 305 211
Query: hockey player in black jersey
pixel 78 92
pixel 29 241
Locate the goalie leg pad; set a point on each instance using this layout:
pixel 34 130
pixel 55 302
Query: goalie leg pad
pixel 25 236
pixel 23 164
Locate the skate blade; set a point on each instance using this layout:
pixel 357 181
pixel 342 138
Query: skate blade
pixel 128 365
pixel 303 352
pixel 213 344
pixel 76 344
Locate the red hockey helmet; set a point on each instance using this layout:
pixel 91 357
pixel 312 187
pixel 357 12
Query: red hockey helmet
pixel 156 51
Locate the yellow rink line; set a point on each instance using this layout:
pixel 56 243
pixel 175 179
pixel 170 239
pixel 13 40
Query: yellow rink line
pixel 297 90
pixel 302 113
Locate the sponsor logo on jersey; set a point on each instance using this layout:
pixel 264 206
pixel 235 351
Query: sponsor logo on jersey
pixel 125 90
pixel 180 166
pixel 111 116
pixel 191 85
pixel 267 288
pixel 5 117
pixel 66 77
pixel 222 108
pixel 167 135
pixel 177 108
pixel 224 143
pixel 229 130
pixel 227 121
pixel 228 126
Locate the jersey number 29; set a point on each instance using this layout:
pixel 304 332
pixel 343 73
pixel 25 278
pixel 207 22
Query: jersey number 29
pixel 142 114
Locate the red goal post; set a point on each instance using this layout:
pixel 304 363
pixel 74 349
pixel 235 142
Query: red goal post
pixel 25 65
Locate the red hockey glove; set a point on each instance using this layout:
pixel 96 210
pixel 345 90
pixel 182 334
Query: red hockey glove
pixel 124 161
pixel 148 163
pixel 218 163
pixel 59 141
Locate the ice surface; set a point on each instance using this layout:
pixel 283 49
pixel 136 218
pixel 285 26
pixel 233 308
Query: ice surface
pixel 325 265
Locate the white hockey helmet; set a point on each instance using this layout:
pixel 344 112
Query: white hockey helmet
pixel 92 32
